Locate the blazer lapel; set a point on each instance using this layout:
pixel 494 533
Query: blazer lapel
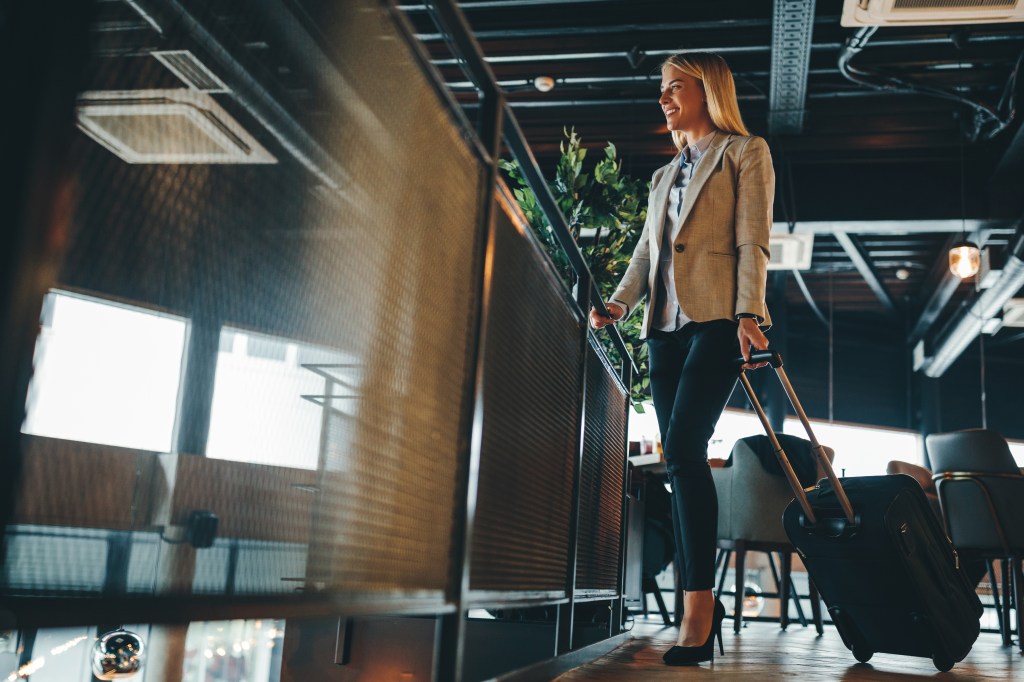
pixel 658 207
pixel 707 163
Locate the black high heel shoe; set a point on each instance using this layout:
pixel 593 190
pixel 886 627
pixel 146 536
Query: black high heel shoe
pixel 692 655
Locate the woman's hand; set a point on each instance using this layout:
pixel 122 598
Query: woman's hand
pixel 597 320
pixel 749 335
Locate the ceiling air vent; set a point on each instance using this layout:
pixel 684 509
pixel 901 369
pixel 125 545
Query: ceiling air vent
pixel 190 70
pixel 790 251
pixel 930 12
pixel 167 126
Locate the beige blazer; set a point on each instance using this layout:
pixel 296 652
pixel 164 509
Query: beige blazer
pixel 720 258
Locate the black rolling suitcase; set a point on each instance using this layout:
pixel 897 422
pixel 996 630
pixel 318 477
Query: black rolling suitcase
pixel 890 577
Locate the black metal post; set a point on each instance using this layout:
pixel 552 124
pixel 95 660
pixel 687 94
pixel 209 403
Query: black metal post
pixel 775 396
pixel 566 616
pixel 196 391
pixel 451 630
pixel 626 375
pixel 929 392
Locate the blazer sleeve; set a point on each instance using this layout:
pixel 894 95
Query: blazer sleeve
pixel 755 193
pixel 633 285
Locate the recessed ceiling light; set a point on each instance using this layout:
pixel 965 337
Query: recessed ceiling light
pixel 544 83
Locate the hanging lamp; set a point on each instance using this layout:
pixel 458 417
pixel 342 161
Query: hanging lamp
pixel 964 256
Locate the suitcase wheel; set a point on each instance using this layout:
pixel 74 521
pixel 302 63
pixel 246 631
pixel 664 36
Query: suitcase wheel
pixel 863 654
pixel 942 663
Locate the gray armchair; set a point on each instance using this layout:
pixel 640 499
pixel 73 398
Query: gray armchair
pixel 981 492
pixel 750 505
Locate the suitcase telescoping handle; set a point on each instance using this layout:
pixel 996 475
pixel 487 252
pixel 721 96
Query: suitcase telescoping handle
pixel 775 360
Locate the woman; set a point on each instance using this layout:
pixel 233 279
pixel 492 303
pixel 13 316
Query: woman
pixel 702 261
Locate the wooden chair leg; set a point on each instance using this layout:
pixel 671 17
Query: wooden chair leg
pixel 792 590
pixel 741 560
pixel 785 566
pixel 812 590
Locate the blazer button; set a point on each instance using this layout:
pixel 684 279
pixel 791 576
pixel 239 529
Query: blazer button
pixel 680 248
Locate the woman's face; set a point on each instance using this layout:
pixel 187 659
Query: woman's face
pixel 682 99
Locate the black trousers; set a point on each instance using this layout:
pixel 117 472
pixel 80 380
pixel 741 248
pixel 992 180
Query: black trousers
pixel 693 372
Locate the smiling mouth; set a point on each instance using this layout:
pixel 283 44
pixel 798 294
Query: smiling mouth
pixel 669 112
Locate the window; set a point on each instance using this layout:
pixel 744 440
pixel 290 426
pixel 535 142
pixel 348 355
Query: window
pixel 105 373
pixel 264 399
pixel 862 450
pixel 1017 450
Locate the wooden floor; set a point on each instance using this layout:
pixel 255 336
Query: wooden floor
pixel 764 652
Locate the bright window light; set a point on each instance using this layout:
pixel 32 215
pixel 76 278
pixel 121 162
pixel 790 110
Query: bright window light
pixel 260 414
pixel 732 425
pixel 862 450
pixel 1017 450
pixel 105 373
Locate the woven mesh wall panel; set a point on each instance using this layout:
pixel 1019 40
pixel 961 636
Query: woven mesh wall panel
pixel 531 421
pixel 347 259
pixel 601 482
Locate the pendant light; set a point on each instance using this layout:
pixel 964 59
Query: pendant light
pixel 964 259
pixel 964 256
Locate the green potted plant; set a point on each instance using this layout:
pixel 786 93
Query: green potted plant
pixel 605 211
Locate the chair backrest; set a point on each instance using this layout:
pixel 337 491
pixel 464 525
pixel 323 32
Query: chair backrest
pixel 981 512
pixel 745 447
pixel 980 450
pixel 919 473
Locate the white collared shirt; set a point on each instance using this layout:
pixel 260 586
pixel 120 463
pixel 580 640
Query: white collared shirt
pixel 669 316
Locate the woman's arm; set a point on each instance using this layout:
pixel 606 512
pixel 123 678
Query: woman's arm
pixel 633 285
pixel 755 192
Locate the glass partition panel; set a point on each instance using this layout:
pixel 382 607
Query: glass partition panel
pixel 105 373
pixel 260 386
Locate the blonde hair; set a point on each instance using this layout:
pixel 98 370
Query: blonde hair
pixel 719 88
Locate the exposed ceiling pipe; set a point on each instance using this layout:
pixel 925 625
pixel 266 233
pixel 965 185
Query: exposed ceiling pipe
pixel 618 29
pixel 873 78
pixel 720 49
pixel 967 325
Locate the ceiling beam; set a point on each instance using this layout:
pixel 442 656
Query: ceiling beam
pixel 862 261
pixel 615 29
pixel 828 47
pixel 505 4
pixel 896 226
pixel 791 56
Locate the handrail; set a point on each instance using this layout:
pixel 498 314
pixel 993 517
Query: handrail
pixel 516 143
pixel 479 72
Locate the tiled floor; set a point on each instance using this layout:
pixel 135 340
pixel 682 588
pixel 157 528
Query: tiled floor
pixel 764 652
